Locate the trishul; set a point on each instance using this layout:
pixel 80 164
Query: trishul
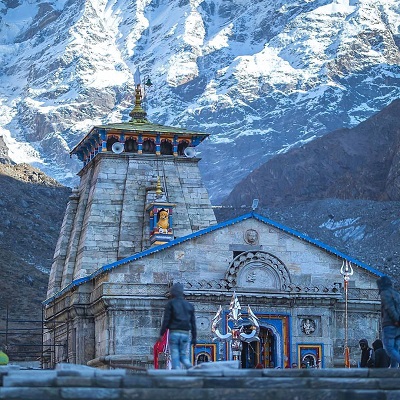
pixel 237 332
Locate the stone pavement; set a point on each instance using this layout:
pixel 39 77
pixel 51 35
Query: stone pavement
pixel 219 381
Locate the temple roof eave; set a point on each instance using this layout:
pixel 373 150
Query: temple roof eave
pixel 139 128
pixel 149 127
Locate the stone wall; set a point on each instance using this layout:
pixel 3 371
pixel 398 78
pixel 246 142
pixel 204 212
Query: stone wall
pixel 106 218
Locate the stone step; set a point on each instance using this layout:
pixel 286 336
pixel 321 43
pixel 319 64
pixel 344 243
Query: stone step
pixel 86 383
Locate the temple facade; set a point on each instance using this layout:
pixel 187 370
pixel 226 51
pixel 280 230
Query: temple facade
pixel 141 219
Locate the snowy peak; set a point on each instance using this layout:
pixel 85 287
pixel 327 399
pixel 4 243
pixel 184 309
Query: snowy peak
pixel 261 77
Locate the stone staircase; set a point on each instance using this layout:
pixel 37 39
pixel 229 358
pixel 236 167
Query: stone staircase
pixel 214 382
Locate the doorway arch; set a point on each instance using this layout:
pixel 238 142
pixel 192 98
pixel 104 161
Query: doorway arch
pixel 202 358
pixel 310 360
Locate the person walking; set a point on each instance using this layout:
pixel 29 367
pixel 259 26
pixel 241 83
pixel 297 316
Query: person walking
pixel 179 318
pixel 382 359
pixel 390 318
pixel 367 354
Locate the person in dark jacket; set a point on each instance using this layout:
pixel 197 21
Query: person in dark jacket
pixel 179 318
pixel 367 354
pixel 390 318
pixel 382 359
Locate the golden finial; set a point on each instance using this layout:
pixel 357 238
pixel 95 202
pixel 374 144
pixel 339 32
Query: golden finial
pixel 159 190
pixel 138 114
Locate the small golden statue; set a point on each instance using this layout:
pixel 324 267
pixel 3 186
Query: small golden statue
pixel 163 222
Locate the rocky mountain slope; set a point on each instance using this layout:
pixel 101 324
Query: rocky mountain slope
pixel 358 163
pixel 261 77
pixel 32 207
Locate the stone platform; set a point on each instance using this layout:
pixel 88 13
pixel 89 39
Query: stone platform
pixel 76 382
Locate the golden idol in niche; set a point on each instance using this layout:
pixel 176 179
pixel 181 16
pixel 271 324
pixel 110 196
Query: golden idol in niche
pixel 163 223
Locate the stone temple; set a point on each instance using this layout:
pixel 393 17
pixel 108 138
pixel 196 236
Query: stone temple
pixel 141 219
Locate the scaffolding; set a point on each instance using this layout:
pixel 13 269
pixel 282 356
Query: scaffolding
pixel 22 340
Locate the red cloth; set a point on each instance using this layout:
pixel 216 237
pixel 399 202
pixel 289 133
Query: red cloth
pixel 347 357
pixel 161 346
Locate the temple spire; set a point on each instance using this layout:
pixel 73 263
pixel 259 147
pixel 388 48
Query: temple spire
pixel 138 115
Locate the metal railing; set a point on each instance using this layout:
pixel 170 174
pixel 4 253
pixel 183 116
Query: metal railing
pixel 22 339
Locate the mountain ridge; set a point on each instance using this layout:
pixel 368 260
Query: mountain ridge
pixel 357 163
pixel 260 78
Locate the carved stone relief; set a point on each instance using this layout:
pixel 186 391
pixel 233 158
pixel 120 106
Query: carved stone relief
pixel 256 275
pixel 251 236
pixel 258 270
pixel 308 326
pixel 203 323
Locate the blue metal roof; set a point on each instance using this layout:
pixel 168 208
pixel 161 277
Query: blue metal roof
pixel 212 228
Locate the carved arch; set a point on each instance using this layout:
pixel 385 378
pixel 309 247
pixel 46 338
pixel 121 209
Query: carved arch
pixel 258 270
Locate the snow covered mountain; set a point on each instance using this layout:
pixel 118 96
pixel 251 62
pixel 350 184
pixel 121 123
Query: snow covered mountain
pixel 260 76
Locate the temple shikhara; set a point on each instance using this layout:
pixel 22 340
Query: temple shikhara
pixel 141 220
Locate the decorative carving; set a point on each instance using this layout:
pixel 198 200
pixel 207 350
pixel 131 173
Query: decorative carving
pixel 251 277
pixel 203 323
pixel 293 287
pixel 257 275
pixel 367 294
pixel 207 285
pixel 258 270
pixel 251 236
pixel 308 326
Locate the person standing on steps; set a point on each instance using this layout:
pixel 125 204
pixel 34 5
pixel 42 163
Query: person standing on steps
pixel 367 354
pixel 390 318
pixel 179 318
pixel 382 359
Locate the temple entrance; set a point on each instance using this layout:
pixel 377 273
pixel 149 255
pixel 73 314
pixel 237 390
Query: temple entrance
pixel 259 354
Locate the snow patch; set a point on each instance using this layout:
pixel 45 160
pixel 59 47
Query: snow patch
pixel 355 233
pixel 331 224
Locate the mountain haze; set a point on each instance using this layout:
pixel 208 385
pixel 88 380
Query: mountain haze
pixel 261 77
